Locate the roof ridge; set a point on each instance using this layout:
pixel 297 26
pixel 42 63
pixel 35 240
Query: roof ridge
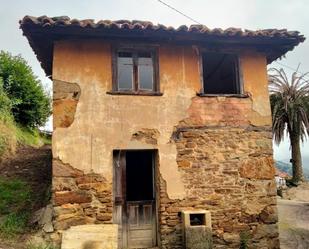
pixel 147 25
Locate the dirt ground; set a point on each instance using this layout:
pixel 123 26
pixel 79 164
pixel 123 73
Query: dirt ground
pixel 32 165
pixel 293 224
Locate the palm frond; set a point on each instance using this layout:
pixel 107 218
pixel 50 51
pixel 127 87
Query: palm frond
pixel 289 104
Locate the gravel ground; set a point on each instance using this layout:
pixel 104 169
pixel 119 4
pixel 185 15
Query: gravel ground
pixel 293 224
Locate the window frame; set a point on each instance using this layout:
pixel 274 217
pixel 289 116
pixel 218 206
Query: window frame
pixel 238 70
pixel 135 49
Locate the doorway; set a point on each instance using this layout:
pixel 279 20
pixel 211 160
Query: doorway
pixel 135 198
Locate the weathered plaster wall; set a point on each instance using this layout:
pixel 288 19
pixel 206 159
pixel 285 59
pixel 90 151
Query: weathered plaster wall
pixel 194 171
pixel 105 122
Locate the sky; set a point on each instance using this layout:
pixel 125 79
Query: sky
pixel 246 14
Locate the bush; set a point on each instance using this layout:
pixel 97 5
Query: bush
pixel 29 103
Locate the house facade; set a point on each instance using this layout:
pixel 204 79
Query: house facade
pixel 151 121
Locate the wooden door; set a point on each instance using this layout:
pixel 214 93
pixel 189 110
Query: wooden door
pixel 136 218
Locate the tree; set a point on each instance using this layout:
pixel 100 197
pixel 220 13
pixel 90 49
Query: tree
pixel 29 102
pixel 290 113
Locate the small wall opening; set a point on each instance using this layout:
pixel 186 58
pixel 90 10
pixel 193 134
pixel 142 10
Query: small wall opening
pixel 220 73
pixel 197 219
pixel 139 175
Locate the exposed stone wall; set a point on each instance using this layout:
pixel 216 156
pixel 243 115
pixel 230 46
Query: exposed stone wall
pixel 80 198
pixel 230 172
pixel 214 153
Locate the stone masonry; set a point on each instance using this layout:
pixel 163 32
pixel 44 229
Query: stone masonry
pixel 228 171
pixel 78 198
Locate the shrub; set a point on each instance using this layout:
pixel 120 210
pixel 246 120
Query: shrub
pixel 29 103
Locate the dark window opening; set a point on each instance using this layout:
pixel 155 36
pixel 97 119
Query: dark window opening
pixel 220 73
pixel 197 219
pixel 135 71
pixel 139 175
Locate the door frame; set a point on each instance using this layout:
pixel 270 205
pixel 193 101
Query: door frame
pixel 119 164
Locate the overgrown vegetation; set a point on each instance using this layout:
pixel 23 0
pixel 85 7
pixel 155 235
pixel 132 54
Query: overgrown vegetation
pixel 24 105
pixel 15 197
pixel 13 134
pixel 29 103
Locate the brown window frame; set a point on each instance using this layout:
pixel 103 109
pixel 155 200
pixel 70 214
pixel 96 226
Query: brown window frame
pixel 135 49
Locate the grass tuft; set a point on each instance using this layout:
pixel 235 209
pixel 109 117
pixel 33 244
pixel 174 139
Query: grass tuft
pixel 15 198
pixel 7 136
pixel 12 134
pixel 28 136
pixel 14 195
pixel 13 224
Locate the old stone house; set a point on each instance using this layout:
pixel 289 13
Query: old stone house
pixel 152 122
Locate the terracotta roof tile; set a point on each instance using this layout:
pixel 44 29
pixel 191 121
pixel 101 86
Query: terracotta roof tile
pixel 63 25
pixel 143 25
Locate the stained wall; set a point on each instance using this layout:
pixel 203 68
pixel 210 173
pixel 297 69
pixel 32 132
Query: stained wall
pixel 89 124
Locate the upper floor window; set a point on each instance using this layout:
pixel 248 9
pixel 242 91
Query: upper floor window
pixel 135 71
pixel 220 73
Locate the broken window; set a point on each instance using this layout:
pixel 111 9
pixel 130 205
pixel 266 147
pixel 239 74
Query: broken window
pixel 135 71
pixel 220 73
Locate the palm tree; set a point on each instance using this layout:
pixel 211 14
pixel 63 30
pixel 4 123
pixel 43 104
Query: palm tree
pixel 290 113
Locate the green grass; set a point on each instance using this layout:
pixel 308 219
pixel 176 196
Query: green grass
pixel 15 198
pixel 12 134
pixel 13 224
pixel 28 136
pixel 7 135
pixel 14 195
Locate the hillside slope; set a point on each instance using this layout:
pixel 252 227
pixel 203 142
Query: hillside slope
pixel 287 167
pixel 29 168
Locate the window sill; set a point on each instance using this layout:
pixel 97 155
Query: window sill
pixel 135 93
pixel 243 95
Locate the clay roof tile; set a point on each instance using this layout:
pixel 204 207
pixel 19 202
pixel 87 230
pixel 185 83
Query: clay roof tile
pixel 44 24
